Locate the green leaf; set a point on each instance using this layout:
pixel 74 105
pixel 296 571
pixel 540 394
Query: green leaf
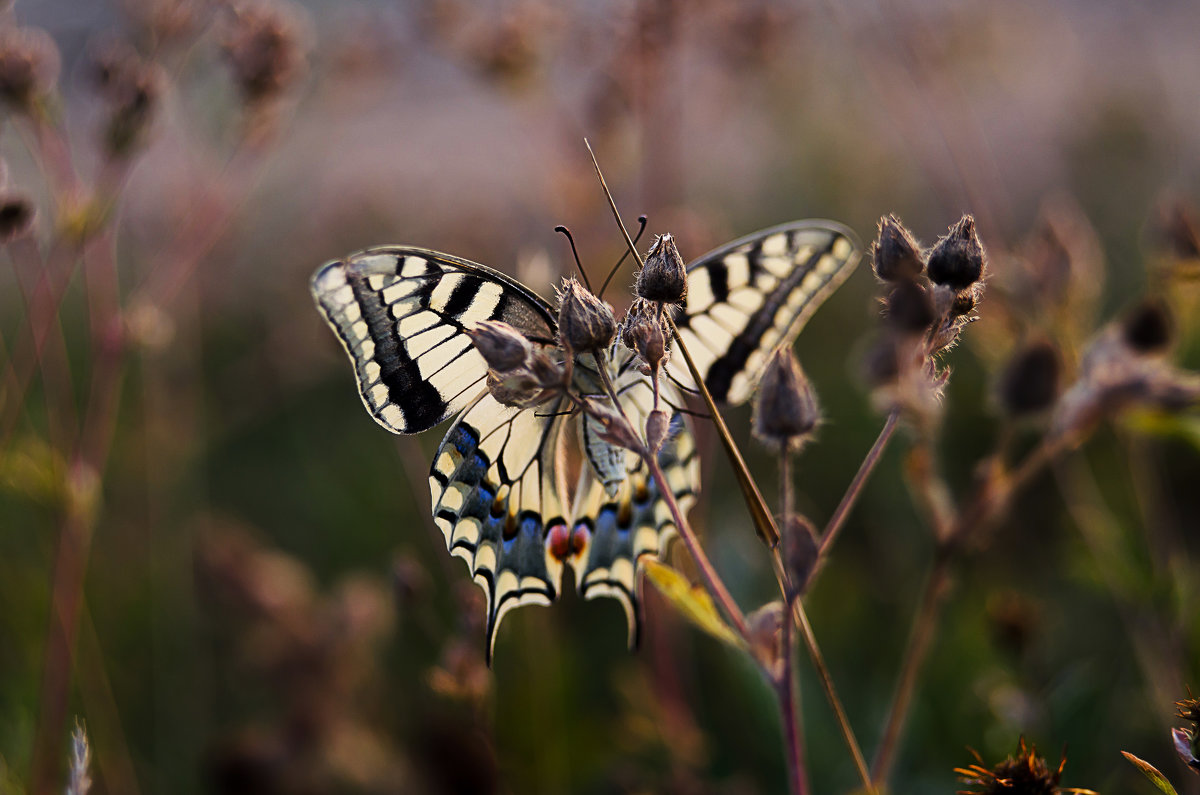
pixel 1159 423
pixel 1150 772
pixel 693 601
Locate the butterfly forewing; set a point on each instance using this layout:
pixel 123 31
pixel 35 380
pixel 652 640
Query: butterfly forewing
pixel 749 297
pixel 402 313
pixel 496 495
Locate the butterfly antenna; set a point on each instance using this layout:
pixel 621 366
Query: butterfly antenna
pixel 562 230
pixel 617 267
pixel 613 205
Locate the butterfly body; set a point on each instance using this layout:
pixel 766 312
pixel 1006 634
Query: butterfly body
pixel 497 482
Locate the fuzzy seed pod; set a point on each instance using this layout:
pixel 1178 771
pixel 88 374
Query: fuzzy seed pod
pixel 16 216
pixel 585 323
pixel 957 261
pixel 502 346
pixel 909 308
pixel 896 255
pixel 1029 382
pixel 663 279
pixel 643 333
pixel 786 410
pixel 29 65
pixel 800 552
pixel 264 49
pixel 1148 328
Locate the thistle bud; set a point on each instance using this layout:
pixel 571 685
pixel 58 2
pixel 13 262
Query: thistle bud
pixel 896 256
pixel 663 279
pixel 1148 328
pixel 29 65
pixel 957 261
pixel 909 308
pixel 585 323
pixel 786 410
pixel 502 346
pixel 643 333
pixel 1029 382
pixel 16 216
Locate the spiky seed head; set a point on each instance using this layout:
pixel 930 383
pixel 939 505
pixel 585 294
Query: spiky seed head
pixel 957 260
pixel 663 278
pixel 1024 774
pixel 16 215
pixel 909 308
pixel 585 323
pixel 1029 383
pixel 502 346
pixel 786 411
pixel 896 255
pixel 29 65
pixel 1148 327
pixel 644 334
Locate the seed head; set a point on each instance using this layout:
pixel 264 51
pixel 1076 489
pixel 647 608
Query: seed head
pixel 800 552
pixel 1029 382
pixel 663 279
pixel 1025 774
pixel 957 261
pixel 786 410
pixel 133 88
pixel 263 47
pixel 16 215
pixel 643 333
pixel 585 323
pixel 909 308
pixel 502 346
pixel 896 255
pixel 1148 328
pixel 29 65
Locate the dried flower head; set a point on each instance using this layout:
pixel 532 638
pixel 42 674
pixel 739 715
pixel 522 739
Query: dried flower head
pixel 765 627
pixel 896 255
pixel 800 552
pixel 785 410
pixel 957 260
pixel 263 47
pixel 16 215
pixel 585 323
pixel 1189 709
pixel 643 331
pixel 29 65
pixel 1029 383
pixel 502 346
pixel 1023 774
pixel 909 308
pixel 1148 327
pixel 133 89
pixel 663 279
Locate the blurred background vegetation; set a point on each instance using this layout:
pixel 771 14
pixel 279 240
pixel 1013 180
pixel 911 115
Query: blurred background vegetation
pixel 263 604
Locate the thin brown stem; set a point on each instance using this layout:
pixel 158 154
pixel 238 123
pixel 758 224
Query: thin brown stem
pixel 785 690
pixel 818 659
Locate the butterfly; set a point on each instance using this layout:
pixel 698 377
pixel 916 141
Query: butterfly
pixel 498 480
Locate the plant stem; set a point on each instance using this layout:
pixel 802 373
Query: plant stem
pixel 789 712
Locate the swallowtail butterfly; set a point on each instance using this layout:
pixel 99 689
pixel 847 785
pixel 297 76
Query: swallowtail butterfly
pixel 498 480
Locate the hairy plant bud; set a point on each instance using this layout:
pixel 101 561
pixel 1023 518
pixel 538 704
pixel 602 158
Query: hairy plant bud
pixel 957 261
pixel 133 88
pixel 263 47
pixel 643 332
pixel 1148 328
pixel 909 308
pixel 16 216
pixel 786 410
pixel 663 279
pixel 29 65
pixel 764 627
pixel 658 428
pixel 585 323
pixel 896 255
pixel 502 346
pixel 1029 382
pixel 800 552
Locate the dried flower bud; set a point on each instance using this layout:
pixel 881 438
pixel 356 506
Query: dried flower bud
pixel 643 332
pixel 1188 709
pixel 133 88
pixel 1148 328
pixel 616 430
pixel 264 49
pixel 663 279
pixel 16 216
pixel 502 346
pixel 585 323
pixel 786 410
pixel 957 261
pixel 29 65
pixel 1027 772
pixel 765 627
pixel 658 428
pixel 881 364
pixel 1029 382
pixel 909 308
pixel 896 255
pixel 800 552
pixel 546 371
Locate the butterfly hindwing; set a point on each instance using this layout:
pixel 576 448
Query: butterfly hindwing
pixel 401 314
pixel 496 495
pixel 755 294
